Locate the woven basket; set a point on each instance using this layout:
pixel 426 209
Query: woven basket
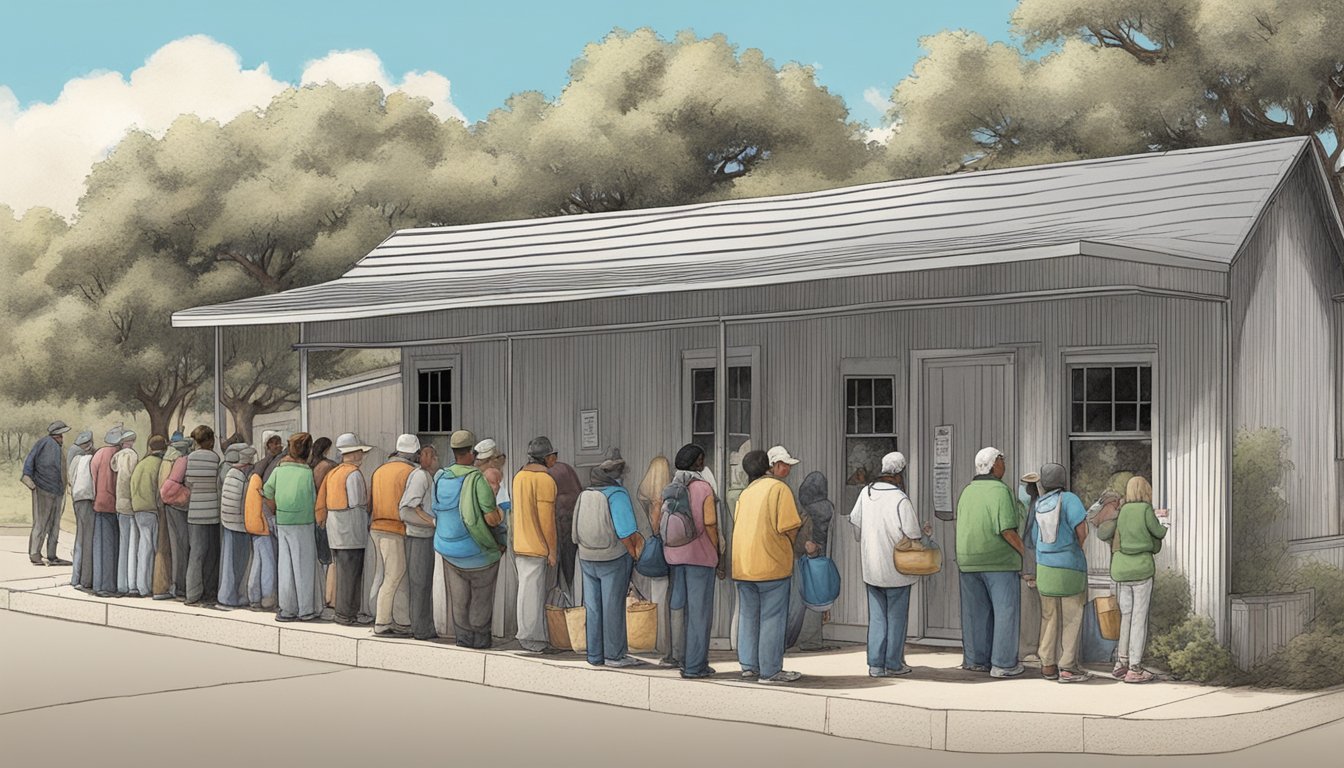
pixel 576 620
pixel 1108 616
pixel 641 625
pixel 919 562
pixel 557 627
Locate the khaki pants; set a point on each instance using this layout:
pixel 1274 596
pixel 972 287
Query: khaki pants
pixel 392 553
pixel 1057 611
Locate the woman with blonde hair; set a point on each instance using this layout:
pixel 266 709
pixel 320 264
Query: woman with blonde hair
pixel 1135 536
pixel 648 516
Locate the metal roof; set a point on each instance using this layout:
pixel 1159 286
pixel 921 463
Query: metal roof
pixel 1189 207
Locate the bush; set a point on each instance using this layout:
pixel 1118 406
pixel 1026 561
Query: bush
pixel 1191 651
pixel 1309 661
pixel 1328 584
pixel 1170 605
pixel 1260 468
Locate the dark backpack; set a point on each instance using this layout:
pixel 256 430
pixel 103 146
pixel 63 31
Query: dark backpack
pixel 677 526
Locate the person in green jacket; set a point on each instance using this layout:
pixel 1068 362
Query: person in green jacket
pixel 292 496
pixel 989 557
pixel 1135 536
pixel 464 510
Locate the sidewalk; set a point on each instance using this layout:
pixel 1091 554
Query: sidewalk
pixel 938 707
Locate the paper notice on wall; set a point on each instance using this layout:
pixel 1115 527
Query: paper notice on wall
pixel 942 469
pixel 942 446
pixel 588 437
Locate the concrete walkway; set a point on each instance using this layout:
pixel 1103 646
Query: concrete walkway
pixel 938 707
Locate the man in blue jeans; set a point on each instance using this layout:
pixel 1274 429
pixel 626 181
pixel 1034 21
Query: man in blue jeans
pixel 767 522
pixel 609 540
pixel 989 557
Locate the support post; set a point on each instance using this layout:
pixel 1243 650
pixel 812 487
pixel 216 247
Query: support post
pixel 303 382
pixel 721 412
pixel 221 428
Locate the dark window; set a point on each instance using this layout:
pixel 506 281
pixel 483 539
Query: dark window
pixel 434 401
pixel 870 406
pixel 1111 399
pixel 703 394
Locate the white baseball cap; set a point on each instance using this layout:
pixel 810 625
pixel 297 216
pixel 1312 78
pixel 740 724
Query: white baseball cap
pixel 893 463
pixel 349 443
pixel 408 444
pixel 780 453
pixel 984 460
pixel 487 449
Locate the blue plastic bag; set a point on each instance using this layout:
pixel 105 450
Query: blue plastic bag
pixel 821 581
pixel 651 561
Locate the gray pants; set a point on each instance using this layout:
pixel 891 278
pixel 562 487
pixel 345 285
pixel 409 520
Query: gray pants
pixel 144 539
pixel 261 571
pixel 532 577
pixel 179 540
pixel 47 509
pixel 348 573
pixel 202 562
pixel 234 547
pixel 297 567
pixel 472 594
pixel 82 572
pixel 125 546
pixel 105 535
pixel 420 576
pixel 1134 598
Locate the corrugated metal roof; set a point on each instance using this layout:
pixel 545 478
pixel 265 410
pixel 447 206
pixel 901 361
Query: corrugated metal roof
pixel 1192 207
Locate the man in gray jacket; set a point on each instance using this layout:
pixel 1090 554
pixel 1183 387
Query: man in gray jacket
pixel 416 510
pixel 235 543
pixel 203 519
pixel 44 475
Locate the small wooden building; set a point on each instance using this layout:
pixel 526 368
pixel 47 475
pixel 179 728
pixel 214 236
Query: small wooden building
pixel 1121 315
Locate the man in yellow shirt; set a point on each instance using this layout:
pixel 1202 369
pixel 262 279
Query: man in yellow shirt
pixel 766 522
pixel 535 548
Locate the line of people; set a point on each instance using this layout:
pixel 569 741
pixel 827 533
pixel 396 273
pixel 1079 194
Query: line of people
pixel 248 533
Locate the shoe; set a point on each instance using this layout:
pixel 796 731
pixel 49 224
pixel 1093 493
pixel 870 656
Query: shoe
pixel 104 594
pixel 310 617
pixel 1001 672
pixel 192 602
pixel 667 662
pixel 781 678
pixel 163 597
pixel 625 661
pixel 344 621
pixel 37 561
pixel 975 667
pixel 1072 676
pixel 364 620
pixel 1121 669
pixel 84 589
pixel 283 618
pixel 384 632
pixel 750 674
pixel 58 561
pixel 709 672
pixel 1050 673
pixel 1139 675
pixel 401 629
pixel 903 671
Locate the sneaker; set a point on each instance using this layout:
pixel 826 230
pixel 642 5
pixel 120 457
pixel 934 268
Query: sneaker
pixel 163 597
pixel 37 561
pixel 364 620
pixel 1074 676
pixel 781 678
pixel 1121 669
pixel 286 618
pixel 904 670
pixel 310 617
pixel 1050 672
pixel 1138 675
pixel 1002 672
pixel 625 661
pixel 750 674
pixel 709 672
pixel 58 561
pixel 667 662
pixel 975 667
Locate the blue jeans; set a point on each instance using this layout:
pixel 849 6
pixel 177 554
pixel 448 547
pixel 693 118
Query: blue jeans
pixel 692 590
pixel 261 574
pixel 233 576
pixel 763 613
pixel 106 535
pixel 605 585
pixel 888 617
pixel 125 531
pixel 991 614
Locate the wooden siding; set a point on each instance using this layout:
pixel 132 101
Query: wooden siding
pixel 1284 332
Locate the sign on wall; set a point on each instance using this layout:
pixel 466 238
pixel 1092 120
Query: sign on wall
pixel 942 471
pixel 588 436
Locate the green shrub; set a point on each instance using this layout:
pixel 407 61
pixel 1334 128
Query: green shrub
pixel 1309 661
pixel 1259 548
pixel 1328 584
pixel 1191 651
pixel 1170 605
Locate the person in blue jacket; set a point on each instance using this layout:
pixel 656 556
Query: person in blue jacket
pixel 1058 530
pixel 464 510
pixel 609 542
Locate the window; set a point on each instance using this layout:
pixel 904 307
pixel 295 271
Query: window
pixel 870 426
pixel 1109 399
pixel 703 394
pixel 434 401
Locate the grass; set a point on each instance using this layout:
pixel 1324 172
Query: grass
pixel 16 501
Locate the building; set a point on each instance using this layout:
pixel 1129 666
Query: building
pixel 1121 314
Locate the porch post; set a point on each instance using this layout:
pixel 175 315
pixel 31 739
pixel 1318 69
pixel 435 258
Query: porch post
pixel 221 429
pixel 303 381
pixel 721 411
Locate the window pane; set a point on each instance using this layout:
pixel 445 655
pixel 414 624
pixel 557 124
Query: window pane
pixel 884 422
pixel 1098 418
pixel 1146 383
pixel 1126 417
pixel 422 423
pixel 433 418
pixel 703 384
pixel 851 392
pixel 704 418
pixel 446 417
pixel 865 421
pixel 851 421
pixel 422 391
pixel 865 392
pixel 1077 374
pixel 882 392
pixel 1146 417
pixel 1100 464
pixel 1098 386
pixel 1126 385
pixel 446 386
pixel 1079 424
pixel 743 381
pixel 707 443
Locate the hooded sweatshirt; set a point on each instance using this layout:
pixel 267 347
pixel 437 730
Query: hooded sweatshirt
pixel 817 511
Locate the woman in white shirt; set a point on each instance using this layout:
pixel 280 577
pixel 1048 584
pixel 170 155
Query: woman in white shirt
pixel 882 516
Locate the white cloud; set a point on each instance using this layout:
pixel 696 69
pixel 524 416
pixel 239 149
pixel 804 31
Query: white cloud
pixel 882 135
pixel 877 99
pixel 47 149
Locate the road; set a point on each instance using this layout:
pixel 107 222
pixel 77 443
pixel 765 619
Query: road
pixel 74 694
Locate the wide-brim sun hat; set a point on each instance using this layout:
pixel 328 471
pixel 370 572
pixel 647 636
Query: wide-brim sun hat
pixel 350 443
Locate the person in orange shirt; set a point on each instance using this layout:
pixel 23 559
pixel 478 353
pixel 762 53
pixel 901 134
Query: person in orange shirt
pixel 535 546
pixel 767 521
pixel 388 530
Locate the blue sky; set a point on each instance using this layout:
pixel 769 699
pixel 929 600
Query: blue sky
pixel 487 49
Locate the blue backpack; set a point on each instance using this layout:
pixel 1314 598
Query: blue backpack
pixel 820 581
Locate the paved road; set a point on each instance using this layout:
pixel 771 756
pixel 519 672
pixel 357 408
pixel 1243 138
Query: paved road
pixel 74 694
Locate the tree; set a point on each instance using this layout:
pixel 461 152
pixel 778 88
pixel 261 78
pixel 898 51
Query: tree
pixel 1105 77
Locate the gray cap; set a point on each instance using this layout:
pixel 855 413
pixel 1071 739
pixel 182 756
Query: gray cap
pixel 539 448
pixel 613 462
pixel 1054 477
pixel 84 438
pixel 231 452
pixel 246 455
pixel 183 445
pixel 57 427
pixel 113 436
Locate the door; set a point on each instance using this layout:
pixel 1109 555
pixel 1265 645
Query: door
pixel 973 395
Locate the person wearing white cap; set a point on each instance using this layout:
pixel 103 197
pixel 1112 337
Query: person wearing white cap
pixel 81 495
pixel 464 509
pixel 882 518
pixel 989 559
pixel 488 455
pixel 343 510
pixel 388 531
pixel 235 544
pixel 416 510
pixel 44 475
pixel 123 465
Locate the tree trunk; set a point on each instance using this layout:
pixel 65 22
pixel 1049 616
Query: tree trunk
pixel 160 415
pixel 243 413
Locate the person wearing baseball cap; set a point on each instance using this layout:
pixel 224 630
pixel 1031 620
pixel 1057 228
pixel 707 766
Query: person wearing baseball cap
pixel 417 512
pixel 464 510
pixel 1027 493
pixel 989 557
pixel 535 543
pixel 389 533
pixel 81 494
pixel 44 476
pixel 489 455
pixel 343 510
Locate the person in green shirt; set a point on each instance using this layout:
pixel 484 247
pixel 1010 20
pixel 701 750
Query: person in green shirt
pixel 292 496
pixel 989 557
pixel 1136 536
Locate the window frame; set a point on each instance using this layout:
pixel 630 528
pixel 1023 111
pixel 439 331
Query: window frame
pixel 698 359
pixel 870 377
pixel 419 365
pixel 1120 356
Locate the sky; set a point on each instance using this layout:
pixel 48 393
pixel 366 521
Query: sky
pixel 75 75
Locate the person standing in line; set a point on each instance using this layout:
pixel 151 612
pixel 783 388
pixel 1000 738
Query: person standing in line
pixel 123 464
pixel 766 522
pixel 170 561
pixel 567 490
pixel 464 510
pixel 1058 534
pixel 817 511
pixel 389 530
pixel 235 543
pixel 322 463
pixel 105 531
pixel 609 542
pixel 694 566
pixel 535 546
pixel 292 498
pixel 1027 493
pixel 145 503
pixel 416 510
pixel 648 498
pixel 259 519
pixel 882 518
pixel 343 510
pixel 989 558
pixel 202 480
pixel 44 475
pixel 81 496
pixel 1135 535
